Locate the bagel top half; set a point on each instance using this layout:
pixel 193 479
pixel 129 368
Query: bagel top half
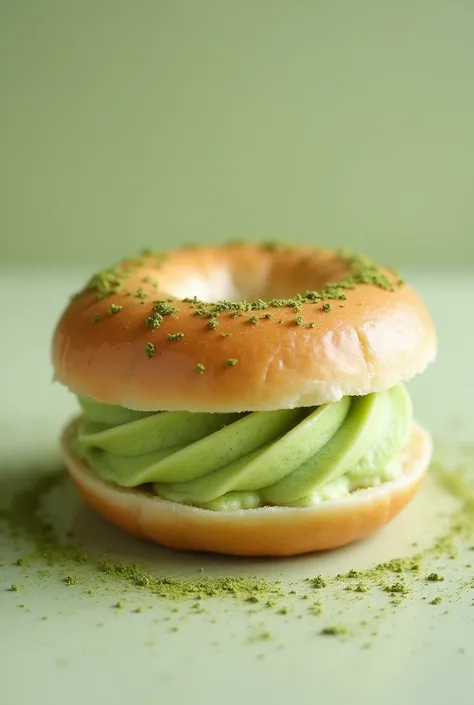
pixel 241 328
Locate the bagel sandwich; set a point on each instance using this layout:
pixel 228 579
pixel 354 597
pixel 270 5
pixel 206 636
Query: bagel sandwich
pixel 245 399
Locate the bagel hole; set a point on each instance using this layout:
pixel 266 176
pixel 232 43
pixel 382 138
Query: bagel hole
pixel 279 280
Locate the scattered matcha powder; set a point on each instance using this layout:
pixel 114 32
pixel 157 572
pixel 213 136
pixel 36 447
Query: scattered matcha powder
pixel 164 308
pixel 108 281
pixel 154 321
pixel 361 588
pixel 334 631
pixel 254 599
pixel 277 246
pixel 362 270
pixel 114 308
pixel 263 635
pixel 149 350
pixel 399 588
pixel 198 588
pixel 435 577
pixel 24 516
pixel 318 582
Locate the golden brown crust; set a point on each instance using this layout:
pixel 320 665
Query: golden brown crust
pixel 369 342
pixel 270 531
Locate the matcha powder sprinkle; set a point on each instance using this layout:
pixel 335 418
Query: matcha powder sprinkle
pixel 149 350
pixel 193 588
pixel 412 578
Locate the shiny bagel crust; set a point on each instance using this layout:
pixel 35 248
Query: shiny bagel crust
pixel 276 356
pixel 269 531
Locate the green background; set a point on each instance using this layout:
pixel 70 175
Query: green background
pixel 152 123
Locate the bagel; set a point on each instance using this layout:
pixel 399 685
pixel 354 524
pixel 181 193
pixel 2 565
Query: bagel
pixel 305 327
pixel 246 399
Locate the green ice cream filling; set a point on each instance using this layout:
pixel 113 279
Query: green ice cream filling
pixel 227 462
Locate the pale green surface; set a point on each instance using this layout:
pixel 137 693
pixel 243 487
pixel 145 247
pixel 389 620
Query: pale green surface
pixel 128 122
pixel 416 658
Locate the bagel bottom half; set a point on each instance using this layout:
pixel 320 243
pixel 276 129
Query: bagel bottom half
pixel 267 531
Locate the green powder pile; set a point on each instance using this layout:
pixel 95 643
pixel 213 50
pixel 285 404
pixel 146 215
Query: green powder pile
pixel 334 631
pixel 24 520
pixel 251 589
